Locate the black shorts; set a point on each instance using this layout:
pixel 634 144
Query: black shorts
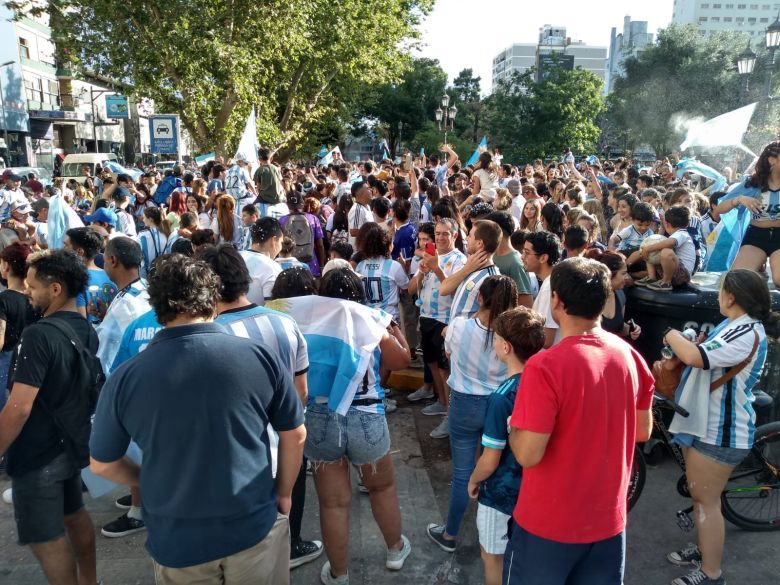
pixel 766 239
pixel 432 342
pixel 42 498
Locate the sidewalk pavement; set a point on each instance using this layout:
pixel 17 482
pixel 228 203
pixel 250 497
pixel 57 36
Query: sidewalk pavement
pixel 422 474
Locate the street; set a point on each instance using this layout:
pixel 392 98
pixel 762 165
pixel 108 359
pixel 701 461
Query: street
pixel 422 473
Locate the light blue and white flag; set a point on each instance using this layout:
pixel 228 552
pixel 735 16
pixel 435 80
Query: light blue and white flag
pixel 323 151
pixel 62 217
pixel 723 243
pixel 422 151
pixel 480 149
pixel 204 158
pixel 341 336
pixel 694 167
pixel 115 167
pixel 328 158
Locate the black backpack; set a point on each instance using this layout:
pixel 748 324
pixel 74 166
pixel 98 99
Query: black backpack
pixel 73 418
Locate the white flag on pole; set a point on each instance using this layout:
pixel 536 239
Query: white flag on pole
pixel 249 144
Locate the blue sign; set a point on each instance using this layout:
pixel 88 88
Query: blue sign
pixel 117 107
pixel 164 131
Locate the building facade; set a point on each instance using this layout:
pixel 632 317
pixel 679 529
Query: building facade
pixel 633 39
pixel 751 18
pixel 553 46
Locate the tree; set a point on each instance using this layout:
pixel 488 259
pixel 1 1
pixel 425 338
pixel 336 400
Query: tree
pixel 683 76
pixel 466 96
pixel 412 100
pixel 529 119
pixel 210 61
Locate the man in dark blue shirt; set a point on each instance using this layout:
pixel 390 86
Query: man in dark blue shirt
pixel 198 395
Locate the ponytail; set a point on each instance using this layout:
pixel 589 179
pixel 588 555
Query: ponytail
pixel 499 294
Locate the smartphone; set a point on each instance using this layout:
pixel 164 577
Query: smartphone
pixel 430 249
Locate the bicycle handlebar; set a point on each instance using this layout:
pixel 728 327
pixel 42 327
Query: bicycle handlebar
pixel 671 404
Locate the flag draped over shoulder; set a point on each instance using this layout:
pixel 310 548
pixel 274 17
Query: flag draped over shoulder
pixel 61 219
pixel 341 337
pixel 723 244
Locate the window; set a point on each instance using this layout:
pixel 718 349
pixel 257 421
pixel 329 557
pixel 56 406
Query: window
pixel 754 7
pixel 702 19
pixel 751 20
pixel 729 6
pixel 726 19
pixel 704 6
pixel 716 19
pixel 24 48
pixel 765 7
pixel 32 88
pixel 764 20
pixel 51 92
pixel 741 6
pixel 740 19
pixel 716 6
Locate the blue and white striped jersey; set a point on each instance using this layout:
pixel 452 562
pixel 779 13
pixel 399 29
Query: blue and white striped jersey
pixel 465 302
pixel 291 262
pixel 131 302
pixel 273 329
pixel 474 367
pixel 731 418
pixel 434 305
pixel 382 278
pixel 153 243
pixel 770 206
pixel 370 387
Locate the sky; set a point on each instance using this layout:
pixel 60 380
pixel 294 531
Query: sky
pixel 464 33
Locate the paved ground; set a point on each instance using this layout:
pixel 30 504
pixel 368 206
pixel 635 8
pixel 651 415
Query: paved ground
pixel 422 467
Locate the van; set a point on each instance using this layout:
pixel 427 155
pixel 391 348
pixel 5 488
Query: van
pixel 73 163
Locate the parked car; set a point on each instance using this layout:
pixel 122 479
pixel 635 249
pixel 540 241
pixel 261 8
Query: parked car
pixel 73 163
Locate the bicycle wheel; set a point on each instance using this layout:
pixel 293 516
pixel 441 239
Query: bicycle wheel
pixel 636 479
pixel 751 499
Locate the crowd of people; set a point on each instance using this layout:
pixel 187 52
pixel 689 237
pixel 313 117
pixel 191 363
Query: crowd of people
pixel 231 330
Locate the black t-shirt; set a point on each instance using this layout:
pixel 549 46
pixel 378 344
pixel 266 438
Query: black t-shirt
pixel 46 360
pixel 17 312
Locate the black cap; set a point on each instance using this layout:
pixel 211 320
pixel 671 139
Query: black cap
pixel 295 199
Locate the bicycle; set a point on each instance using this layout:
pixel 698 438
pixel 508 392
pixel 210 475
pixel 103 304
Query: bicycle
pixel 751 498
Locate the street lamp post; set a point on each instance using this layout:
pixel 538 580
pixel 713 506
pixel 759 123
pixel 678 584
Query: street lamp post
pixel 5 120
pixel 772 44
pixel 745 64
pixel 445 116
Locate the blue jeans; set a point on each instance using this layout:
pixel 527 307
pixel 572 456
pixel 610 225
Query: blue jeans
pixel 5 365
pixel 467 419
pixel 531 560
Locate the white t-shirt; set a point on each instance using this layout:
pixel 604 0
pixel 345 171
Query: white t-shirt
pixel 542 305
pixel 358 215
pixel 518 204
pixel 487 184
pixel 263 272
pixel 685 249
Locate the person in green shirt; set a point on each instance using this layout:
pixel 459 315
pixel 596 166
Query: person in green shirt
pixel 508 260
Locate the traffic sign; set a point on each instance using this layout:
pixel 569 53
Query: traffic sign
pixel 164 130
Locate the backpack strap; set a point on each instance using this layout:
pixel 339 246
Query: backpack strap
pixel 728 376
pixel 62 326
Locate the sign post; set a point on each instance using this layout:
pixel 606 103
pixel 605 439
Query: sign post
pixel 164 130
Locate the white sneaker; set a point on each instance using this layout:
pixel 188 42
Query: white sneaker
pixel 435 409
pixel 8 497
pixel 422 393
pixel 443 430
pixel 390 406
pixel 396 558
pixel 328 579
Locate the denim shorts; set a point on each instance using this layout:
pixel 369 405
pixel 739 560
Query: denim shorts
pixel 362 437
pixel 43 497
pixel 723 455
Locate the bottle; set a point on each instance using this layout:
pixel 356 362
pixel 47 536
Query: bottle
pixel 668 353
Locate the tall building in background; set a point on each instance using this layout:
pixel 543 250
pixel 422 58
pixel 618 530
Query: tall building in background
pixel 552 47
pixel 751 18
pixel 628 43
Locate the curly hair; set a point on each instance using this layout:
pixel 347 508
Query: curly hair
pixel 179 285
pixel 15 255
pixel 61 266
pixel 373 242
pixel 760 178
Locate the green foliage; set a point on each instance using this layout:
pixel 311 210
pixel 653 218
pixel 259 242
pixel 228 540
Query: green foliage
pixel 465 96
pixel 684 75
pixel 412 101
pixel 210 61
pixel 527 119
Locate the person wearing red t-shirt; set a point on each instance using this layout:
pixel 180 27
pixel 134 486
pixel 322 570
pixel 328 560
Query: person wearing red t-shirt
pixel 581 406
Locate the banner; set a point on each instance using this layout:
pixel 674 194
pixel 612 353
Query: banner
pixel 117 107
